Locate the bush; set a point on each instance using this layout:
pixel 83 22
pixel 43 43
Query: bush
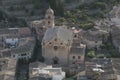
pixel 86 26
pixel 67 14
pixel 91 54
pixel 99 5
pixel 62 19
pixel 103 46
pixel 100 56
pixel 70 78
pixel 3 15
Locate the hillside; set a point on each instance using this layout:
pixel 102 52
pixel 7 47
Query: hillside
pixel 85 14
pixel 81 13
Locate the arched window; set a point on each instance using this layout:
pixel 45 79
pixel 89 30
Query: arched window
pixel 48 22
pixel 79 57
pixel 73 63
pixel 73 57
pixel 75 36
pixel 56 60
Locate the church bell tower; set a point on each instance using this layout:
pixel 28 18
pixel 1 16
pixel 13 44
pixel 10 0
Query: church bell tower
pixel 49 18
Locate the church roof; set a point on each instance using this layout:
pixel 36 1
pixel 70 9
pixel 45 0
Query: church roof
pixel 60 32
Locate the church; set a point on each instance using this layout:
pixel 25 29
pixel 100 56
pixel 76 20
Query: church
pixel 61 46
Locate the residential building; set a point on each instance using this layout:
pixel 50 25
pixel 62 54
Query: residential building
pixel 101 69
pixel 115 37
pixel 7 69
pixel 40 71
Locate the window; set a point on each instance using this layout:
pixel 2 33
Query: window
pixel 3 62
pixel 55 60
pixel 13 55
pixel 73 57
pixel 48 22
pixel 23 54
pixel 61 43
pixel 75 36
pixel 50 43
pixel 79 57
pixel 55 47
pixel 73 63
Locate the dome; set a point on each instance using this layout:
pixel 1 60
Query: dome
pixel 50 11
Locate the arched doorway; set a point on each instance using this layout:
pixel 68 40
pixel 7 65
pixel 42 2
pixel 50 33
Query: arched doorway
pixel 55 60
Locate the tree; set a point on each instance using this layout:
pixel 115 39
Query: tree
pixel 100 55
pixel 2 15
pixel 57 6
pixel 91 54
pixel 99 5
pixel 62 19
pixel 97 75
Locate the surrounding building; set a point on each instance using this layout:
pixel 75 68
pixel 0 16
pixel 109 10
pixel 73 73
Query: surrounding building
pixel 24 49
pixel 16 43
pixel 115 39
pixel 11 42
pixel 40 71
pixel 7 69
pixel 116 65
pixel 15 32
pixel 101 69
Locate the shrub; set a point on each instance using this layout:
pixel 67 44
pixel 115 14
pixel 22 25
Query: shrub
pixel 86 26
pixel 91 54
pixel 100 56
pixel 62 19
pixel 99 5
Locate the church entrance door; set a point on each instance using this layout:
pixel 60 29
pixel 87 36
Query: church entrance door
pixel 55 60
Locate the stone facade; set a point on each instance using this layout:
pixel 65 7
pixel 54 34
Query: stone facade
pixel 56 50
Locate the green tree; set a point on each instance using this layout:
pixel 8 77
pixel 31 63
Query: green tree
pixel 99 5
pixel 62 19
pixel 100 55
pixel 97 75
pixel 57 6
pixel 91 54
